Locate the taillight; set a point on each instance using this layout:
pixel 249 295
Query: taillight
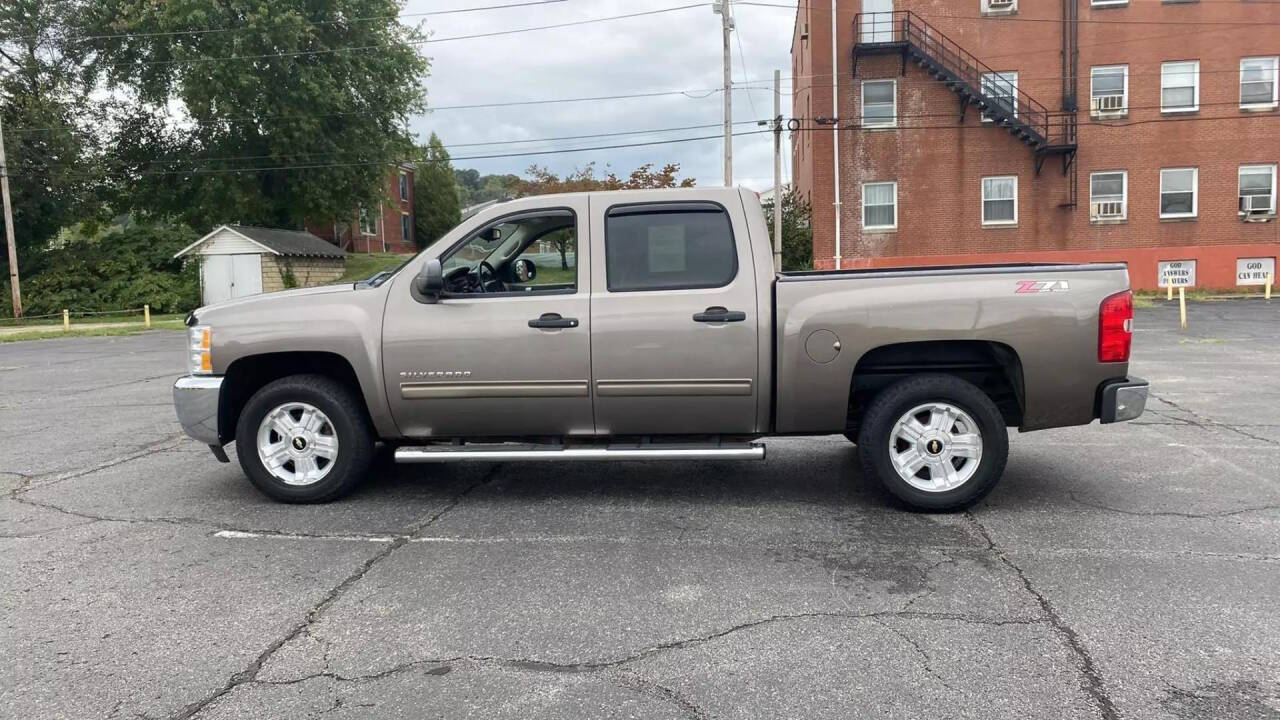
pixel 1115 327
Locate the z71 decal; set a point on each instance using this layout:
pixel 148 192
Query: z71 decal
pixel 1042 286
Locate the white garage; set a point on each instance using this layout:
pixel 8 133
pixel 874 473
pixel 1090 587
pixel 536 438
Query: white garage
pixel 238 260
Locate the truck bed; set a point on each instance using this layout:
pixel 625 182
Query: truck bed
pixel 1044 316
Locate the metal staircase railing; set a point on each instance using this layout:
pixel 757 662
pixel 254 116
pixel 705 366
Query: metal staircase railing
pixel 1048 132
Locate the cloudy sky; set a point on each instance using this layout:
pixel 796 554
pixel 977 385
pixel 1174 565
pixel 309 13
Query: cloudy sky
pixel 673 51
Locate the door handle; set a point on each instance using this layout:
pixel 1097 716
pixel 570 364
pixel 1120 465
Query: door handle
pixel 553 321
pixel 717 314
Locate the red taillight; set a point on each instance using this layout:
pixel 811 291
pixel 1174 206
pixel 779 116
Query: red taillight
pixel 1115 327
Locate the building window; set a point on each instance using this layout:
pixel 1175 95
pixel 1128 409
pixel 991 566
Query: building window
pixel 1178 192
pixel 1000 200
pixel 406 228
pixel 1002 88
pixel 880 206
pixel 999 6
pixel 404 186
pixel 1109 91
pixel 1258 82
pixel 1180 86
pixel 879 103
pixel 1108 195
pixel 368 222
pixel 1108 3
pixel 1257 190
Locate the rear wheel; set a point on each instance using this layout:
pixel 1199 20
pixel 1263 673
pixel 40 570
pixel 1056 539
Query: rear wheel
pixel 304 439
pixel 935 442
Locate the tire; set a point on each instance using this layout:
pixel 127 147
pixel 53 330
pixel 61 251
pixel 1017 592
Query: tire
pixel 954 471
pixel 318 426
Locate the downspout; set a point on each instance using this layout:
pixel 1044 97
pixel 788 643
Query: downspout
pixel 382 226
pixel 835 118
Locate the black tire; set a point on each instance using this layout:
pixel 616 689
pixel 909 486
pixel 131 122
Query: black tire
pixel 350 423
pixel 895 401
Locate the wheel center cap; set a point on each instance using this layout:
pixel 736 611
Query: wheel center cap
pixel 299 443
pixel 934 446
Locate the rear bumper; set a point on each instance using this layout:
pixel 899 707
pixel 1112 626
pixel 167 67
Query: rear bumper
pixel 1121 400
pixel 195 398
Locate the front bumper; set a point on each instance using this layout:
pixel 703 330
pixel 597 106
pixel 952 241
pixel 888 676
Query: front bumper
pixel 195 398
pixel 1120 400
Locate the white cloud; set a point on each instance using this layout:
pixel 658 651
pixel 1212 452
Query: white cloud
pixel 669 51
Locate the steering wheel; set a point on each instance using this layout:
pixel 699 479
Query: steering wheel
pixel 491 283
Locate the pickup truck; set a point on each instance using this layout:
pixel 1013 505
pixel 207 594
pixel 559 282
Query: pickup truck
pixel 651 325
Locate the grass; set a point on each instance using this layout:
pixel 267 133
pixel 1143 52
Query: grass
pixel 49 332
pixel 361 266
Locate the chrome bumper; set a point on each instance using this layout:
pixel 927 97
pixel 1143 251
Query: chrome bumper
pixel 196 400
pixel 1121 400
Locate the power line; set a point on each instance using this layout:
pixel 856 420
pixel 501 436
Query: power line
pixel 237 28
pixel 422 41
pixel 220 171
pixel 691 94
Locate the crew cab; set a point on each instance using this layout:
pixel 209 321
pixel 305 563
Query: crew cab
pixel 651 325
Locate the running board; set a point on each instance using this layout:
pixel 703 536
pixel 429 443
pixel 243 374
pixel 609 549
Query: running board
pixel 548 453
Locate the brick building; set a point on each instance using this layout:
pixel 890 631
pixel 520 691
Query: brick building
pixel 967 133
pixel 385 228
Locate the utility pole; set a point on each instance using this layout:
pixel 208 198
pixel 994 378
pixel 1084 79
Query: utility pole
pixel 8 230
pixel 777 171
pixel 721 7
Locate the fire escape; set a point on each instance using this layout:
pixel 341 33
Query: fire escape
pixel 1048 133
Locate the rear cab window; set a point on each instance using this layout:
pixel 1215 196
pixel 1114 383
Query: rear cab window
pixel 669 246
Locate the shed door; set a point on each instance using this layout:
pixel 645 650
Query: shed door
pixel 230 276
pixel 246 275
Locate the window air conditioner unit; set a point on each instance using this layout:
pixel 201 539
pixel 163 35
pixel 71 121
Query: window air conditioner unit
pixel 1108 105
pixel 1001 4
pixel 804 32
pixel 1107 210
pixel 1255 205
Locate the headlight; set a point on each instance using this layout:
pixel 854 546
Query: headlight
pixel 200 345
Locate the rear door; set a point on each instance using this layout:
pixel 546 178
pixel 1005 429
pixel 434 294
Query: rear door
pixel 246 275
pixel 674 330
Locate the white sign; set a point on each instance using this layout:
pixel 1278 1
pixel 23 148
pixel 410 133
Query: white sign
pixel 1177 273
pixel 1254 271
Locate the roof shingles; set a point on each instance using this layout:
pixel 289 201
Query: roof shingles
pixel 290 243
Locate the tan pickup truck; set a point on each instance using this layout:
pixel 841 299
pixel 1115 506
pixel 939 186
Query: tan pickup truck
pixel 650 325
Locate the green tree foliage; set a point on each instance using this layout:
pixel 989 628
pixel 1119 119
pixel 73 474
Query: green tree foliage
pixel 312 96
pixel 435 194
pixel 541 181
pixel 52 157
pixel 797 231
pixel 474 188
pixel 115 269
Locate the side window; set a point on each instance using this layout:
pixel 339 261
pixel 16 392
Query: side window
pixel 669 247
pixel 527 253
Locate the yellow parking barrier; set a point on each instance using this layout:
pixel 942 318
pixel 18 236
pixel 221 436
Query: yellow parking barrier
pixel 1271 278
pixel 1169 287
pixel 66 320
pixel 1182 306
pixel 146 315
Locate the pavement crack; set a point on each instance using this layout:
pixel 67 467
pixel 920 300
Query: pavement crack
pixel 154 447
pixel 1090 677
pixel 652 688
pixel 925 660
pixel 1169 513
pixel 1205 423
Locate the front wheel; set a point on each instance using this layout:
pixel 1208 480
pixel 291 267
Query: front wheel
pixel 935 442
pixel 304 439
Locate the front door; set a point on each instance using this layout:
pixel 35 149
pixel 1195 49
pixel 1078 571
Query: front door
pixel 673 320
pixel 877 21
pixel 502 353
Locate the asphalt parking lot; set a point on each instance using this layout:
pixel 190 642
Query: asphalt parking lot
pixel 1125 571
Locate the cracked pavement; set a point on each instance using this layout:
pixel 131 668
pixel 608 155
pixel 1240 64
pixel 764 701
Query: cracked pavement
pixel 1127 571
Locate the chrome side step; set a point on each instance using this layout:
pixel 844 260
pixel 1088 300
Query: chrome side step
pixel 550 453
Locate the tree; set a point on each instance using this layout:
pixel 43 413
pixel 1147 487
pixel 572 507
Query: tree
pixel 435 194
pixel 52 156
pixel 797 232
pixel 286 110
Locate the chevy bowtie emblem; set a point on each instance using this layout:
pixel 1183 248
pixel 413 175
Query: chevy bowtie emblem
pixel 934 446
pixel 299 443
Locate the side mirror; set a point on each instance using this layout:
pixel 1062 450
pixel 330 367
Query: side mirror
pixel 430 281
pixel 524 270
pixel 492 235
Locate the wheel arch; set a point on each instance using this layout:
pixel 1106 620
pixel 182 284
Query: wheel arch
pixel 248 374
pixel 993 367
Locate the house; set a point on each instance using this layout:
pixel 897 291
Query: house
pixel 387 228
pixel 236 260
